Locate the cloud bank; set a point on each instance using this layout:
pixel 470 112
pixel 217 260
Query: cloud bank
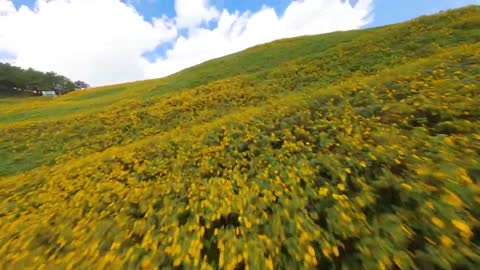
pixel 103 41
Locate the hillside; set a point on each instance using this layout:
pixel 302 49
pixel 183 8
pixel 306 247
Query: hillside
pixel 349 150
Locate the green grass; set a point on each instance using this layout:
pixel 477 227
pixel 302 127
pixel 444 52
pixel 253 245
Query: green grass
pixel 58 107
pixel 40 113
pixel 253 60
pixel 92 95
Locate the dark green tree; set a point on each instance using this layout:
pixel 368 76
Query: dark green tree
pixel 15 81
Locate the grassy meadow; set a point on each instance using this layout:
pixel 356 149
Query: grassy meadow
pixel 348 150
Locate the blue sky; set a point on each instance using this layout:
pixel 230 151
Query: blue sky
pixel 390 11
pixel 170 35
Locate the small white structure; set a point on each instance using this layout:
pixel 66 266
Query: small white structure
pixel 48 93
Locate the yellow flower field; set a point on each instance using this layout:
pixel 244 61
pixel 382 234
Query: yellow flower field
pixel 359 150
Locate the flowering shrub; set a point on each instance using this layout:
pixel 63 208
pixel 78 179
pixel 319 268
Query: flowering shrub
pixel 301 166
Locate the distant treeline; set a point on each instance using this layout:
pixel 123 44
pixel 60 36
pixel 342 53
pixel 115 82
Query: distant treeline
pixel 15 81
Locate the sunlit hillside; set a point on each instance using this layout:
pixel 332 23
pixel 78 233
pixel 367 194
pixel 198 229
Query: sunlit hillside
pixel 349 150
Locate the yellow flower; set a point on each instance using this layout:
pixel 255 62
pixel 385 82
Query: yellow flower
pixel 447 241
pixel 177 261
pixel 146 264
pixel 326 251
pixel 452 199
pixel 345 217
pixel 221 259
pixel 463 227
pixel 269 263
pixel 438 222
pixel 248 224
pixel 449 141
pixel 335 251
pixel 323 191
pixel 311 251
pixel 407 186
pixel 422 171
pixel 464 175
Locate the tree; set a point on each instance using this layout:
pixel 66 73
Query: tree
pixel 81 85
pixel 18 81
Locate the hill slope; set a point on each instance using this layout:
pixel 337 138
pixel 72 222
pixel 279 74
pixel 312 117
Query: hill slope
pixel 355 149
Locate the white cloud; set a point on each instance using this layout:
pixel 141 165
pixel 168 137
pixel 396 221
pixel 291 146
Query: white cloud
pixel 102 41
pixel 191 13
pixel 6 7
pixel 99 41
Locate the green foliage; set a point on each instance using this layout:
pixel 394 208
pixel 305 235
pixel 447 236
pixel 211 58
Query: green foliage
pixel 15 81
pixel 343 153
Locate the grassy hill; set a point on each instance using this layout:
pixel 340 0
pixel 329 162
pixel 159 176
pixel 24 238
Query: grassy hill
pixel 350 150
